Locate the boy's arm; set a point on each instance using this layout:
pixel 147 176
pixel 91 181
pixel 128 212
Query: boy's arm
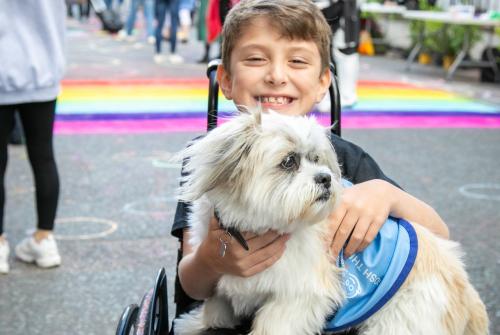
pixel 367 204
pixel 364 208
pixel 201 268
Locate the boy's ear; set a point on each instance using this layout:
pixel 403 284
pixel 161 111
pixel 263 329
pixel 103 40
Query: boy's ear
pixel 224 80
pixel 324 81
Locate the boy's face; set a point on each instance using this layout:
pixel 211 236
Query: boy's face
pixel 284 75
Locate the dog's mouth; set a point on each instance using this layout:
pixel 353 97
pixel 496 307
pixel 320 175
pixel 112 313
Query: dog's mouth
pixel 325 196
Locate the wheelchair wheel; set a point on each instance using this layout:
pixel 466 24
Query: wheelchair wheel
pixel 158 314
pixel 143 324
pixel 127 320
pixel 152 316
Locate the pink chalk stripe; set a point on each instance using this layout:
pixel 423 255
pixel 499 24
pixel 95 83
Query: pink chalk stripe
pixel 199 124
pixel 370 122
pixel 129 126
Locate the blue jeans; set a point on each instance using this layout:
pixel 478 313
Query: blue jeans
pixel 148 10
pixel 161 10
pixel 109 3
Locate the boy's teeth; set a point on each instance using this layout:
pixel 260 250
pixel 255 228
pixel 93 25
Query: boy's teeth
pixel 278 100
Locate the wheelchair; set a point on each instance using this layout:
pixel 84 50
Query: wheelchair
pixel 150 317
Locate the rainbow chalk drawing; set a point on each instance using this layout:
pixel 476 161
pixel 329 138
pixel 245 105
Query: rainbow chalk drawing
pixel 180 105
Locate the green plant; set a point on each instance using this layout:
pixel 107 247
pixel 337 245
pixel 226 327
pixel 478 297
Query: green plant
pixel 441 39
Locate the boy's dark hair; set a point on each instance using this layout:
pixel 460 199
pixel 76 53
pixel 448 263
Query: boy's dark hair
pixel 293 19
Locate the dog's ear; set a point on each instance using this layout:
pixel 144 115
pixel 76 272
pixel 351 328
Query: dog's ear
pixel 216 160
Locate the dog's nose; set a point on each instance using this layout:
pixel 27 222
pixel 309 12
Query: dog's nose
pixel 323 178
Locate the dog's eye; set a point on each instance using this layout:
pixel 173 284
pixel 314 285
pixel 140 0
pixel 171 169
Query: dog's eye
pixel 290 162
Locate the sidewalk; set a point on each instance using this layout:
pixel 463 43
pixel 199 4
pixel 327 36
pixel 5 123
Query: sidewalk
pixel 117 183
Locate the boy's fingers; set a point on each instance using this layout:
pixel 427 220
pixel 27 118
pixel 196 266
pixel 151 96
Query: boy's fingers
pixel 266 257
pixel 343 233
pixel 248 236
pixel 258 242
pixel 370 236
pixel 357 237
pixel 336 218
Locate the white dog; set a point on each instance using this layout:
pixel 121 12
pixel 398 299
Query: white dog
pixel 266 171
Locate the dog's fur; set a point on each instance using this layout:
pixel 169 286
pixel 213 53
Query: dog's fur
pixel 242 169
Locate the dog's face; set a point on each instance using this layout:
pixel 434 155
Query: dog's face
pixel 265 171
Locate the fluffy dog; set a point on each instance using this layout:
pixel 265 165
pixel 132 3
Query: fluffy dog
pixel 266 171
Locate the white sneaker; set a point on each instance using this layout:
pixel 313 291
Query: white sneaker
pixel 151 39
pixel 122 34
pixel 43 253
pixel 4 257
pixel 175 59
pixel 159 59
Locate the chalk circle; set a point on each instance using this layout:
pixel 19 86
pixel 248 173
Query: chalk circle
pixel 481 191
pixel 155 206
pixel 108 227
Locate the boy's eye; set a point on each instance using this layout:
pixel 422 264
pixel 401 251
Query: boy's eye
pixel 291 162
pixel 255 59
pixel 299 61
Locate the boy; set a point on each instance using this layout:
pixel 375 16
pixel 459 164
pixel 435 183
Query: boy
pixel 276 53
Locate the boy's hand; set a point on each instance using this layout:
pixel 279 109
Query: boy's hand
pixel 361 213
pixel 264 251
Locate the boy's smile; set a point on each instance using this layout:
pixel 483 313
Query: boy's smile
pixel 279 73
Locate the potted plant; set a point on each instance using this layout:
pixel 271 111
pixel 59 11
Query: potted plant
pixel 444 42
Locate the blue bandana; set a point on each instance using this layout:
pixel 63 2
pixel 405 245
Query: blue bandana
pixel 372 276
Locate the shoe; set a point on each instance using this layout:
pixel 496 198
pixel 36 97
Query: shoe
pixel 151 39
pixel 122 34
pixel 4 257
pixel 175 59
pixel 159 59
pixel 43 253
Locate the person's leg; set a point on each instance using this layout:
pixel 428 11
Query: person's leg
pixel 185 21
pixel 108 3
pixel 16 134
pixel 6 121
pixel 148 9
pixel 160 12
pixel 38 123
pixel 174 23
pixel 205 57
pixel 129 27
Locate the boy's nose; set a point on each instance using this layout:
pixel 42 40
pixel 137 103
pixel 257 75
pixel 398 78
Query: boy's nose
pixel 276 75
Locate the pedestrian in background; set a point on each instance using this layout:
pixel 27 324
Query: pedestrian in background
pixel 32 34
pixel 201 26
pixel 148 7
pixel 162 7
pixel 186 8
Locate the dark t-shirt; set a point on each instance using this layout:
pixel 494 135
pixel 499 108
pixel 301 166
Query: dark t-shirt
pixel 356 166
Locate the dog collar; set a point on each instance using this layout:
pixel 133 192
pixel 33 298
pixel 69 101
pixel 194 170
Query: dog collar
pixel 233 232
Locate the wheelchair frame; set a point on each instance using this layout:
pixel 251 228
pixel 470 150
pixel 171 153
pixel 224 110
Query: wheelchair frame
pixel 151 316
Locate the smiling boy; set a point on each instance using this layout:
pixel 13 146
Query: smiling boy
pixel 277 53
